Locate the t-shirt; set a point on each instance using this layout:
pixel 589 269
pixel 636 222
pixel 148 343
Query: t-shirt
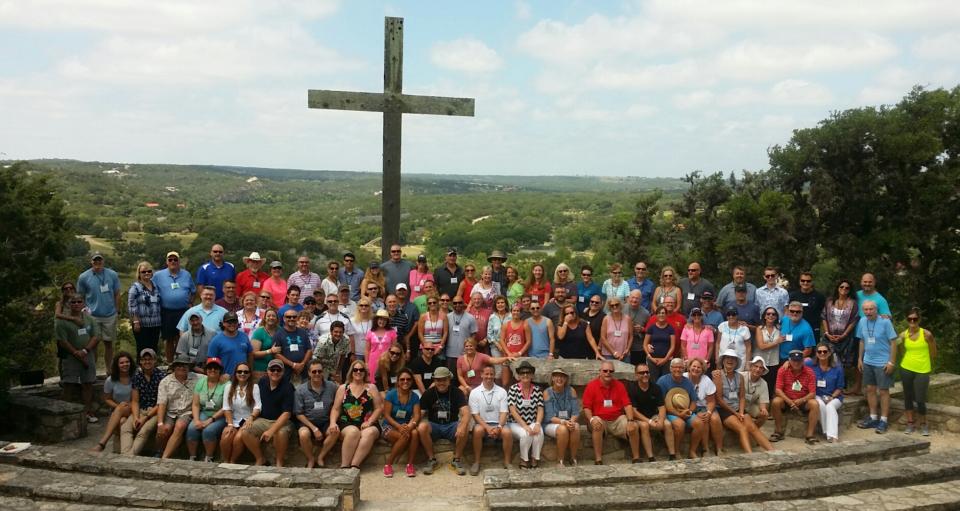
pixel 660 339
pixel 489 404
pixel 442 408
pixel 293 345
pixel 479 362
pixel 690 293
pixel 606 402
pixel 585 292
pixel 756 392
pixel 883 308
pixel 647 402
pixel 705 387
pixel 461 326
pixel 119 392
pixel 210 401
pixel 876 336
pixel 799 336
pixel 400 412
pixel 313 404
pixel 76 336
pixel 211 317
pixel 266 342
pixel 396 273
pixel 734 338
pixel 813 304
pixel 99 290
pixel 666 382
pixel 175 290
pixel 275 402
pixel 424 370
pixel 697 346
pixel 230 350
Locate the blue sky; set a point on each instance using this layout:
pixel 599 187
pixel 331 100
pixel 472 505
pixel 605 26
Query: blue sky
pixel 642 88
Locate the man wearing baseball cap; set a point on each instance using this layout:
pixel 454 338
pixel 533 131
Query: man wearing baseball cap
pixel 176 289
pixel 796 390
pixel 100 288
pixel 231 346
pixel 145 384
pixel 446 415
pixel 449 276
pixel 274 423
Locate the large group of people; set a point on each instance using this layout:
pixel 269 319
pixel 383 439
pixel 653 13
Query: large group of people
pixel 409 356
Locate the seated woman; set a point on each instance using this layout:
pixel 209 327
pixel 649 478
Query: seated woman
pixel 830 385
pixel 116 394
pixel 241 406
pixel 561 408
pixel 705 421
pixel 401 414
pixel 471 364
pixel 388 368
pixel 208 416
pixel 731 405
pixel 356 413
pixel 526 415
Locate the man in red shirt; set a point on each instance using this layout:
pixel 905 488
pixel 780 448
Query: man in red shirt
pixel 674 318
pixel 251 278
pixel 796 390
pixel 607 409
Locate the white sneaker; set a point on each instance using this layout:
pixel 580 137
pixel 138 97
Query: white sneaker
pixel 92 419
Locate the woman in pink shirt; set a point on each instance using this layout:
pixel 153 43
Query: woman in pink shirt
pixel 276 284
pixel 379 339
pixel 418 276
pixel 696 340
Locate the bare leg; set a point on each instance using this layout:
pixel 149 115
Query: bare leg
pixel 478 434
pixel 329 441
pixel 813 416
pixel 306 444
pixel 175 438
pixel 414 444
pixel 280 442
pixel 574 443
pixel 733 423
pixel 777 408
pixel 239 445
pixel 716 431
pixel 758 435
pixel 871 393
pixel 351 437
pixel 424 433
pixel 367 438
pixel 563 439
pixel 885 403
pixel 507 438
pixel 120 413
pixel 596 430
pixel 226 443
pixel 253 444
pixel 633 437
pixel 400 444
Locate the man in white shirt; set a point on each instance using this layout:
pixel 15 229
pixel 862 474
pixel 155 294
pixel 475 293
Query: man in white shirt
pixel 488 405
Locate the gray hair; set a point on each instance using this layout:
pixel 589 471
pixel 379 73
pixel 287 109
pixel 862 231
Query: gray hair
pixel 676 362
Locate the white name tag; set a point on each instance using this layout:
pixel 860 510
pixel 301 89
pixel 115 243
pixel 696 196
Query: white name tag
pixel 318 405
pixel 104 288
pixel 154 299
pixel 789 337
pixel 822 384
pixel 526 403
pixel 563 414
pixel 805 304
pixel 400 414
pixel 427 376
pixel 691 296
pixel 535 298
pixel 797 387
pixel 471 373
pixel 608 403
pixel 256 284
pixel 456 328
pixel 174 285
pixel 871 340
pixel 81 331
pixel 211 405
pixel 294 348
pixel 617 333
pixel 416 288
pixel 393 379
pixel 192 352
pixel 581 298
pixel 489 408
pixel 442 414
pixel 453 280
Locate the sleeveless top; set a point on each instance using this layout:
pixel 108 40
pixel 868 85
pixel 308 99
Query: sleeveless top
pixel 620 342
pixel 675 293
pixel 515 337
pixel 540 344
pixel 916 353
pixel 360 338
pixel 355 410
pixel 574 344
pixel 771 356
pixel 731 389
pixel 433 330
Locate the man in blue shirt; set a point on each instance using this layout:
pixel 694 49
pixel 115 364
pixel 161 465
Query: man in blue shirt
pixel 100 288
pixel 726 296
pixel 176 290
pixel 878 357
pixel 295 348
pixel 643 283
pixel 711 316
pixel 215 271
pixel 587 289
pixel 231 346
pixel 209 312
pixel 868 291
pixel 796 332
pixel 351 275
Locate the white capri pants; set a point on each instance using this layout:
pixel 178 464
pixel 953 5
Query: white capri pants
pixel 830 416
pixel 528 444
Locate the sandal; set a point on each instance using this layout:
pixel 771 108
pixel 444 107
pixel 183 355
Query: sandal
pixel 810 440
pixel 776 436
pixel 523 465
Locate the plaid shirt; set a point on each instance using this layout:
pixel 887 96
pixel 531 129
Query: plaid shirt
pixel 144 304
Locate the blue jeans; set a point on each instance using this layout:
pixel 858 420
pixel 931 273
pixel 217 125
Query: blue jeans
pixel 210 433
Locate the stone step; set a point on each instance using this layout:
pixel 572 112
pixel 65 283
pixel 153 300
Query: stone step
pixel 21 504
pixel 742 488
pixel 40 484
pixel 65 459
pixel 458 503
pixel 822 455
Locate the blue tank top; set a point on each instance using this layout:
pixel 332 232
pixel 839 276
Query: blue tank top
pixel 540 343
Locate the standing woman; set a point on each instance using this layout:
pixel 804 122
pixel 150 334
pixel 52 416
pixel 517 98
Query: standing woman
pixel 615 286
pixel 526 415
pixel 487 288
pixel 594 315
pixel 208 415
pixel 116 394
pixel 919 351
pixel 465 289
pixel 356 415
pixel 375 275
pixel 362 324
pixel 401 414
pixel 537 285
pixel 276 285
pixel 262 342
pixel 499 316
pixel 241 406
pixel 696 340
pixel 660 343
pixel 514 285
pixel 574 338
pixel 433 327
pixel 668 287
pixel 561 409
pixel 839 319
pixel 515 339
pixel 616 333
pixel 768 346
pixel 830 386
pixel 379 340
pixel 143 306
pixel 563 278
pixel 417 276
pixel 249 315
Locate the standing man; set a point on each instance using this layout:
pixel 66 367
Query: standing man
pixel 230 300
pixel 771 294
pixel 209 312
pixel 350 276
pixel 215 271
pixel 796 334
pixel 231 346
pixel 449 276
pixel 868 291
pixel 711 316
pixel 295 349
pixel 587 289
pixel 878 359
pixel 812 300
pixel 397 269
pixel 304 278
pixel 693 287
pixel 176 290
pixel 748 311
pixel 324 322
pixel 462 326
pixel 554 308
pixel 424 366
pixel 641 281
pixel 674 318
pixel 726 296
pixel 497 259
pixel 409 310
pixel 79 370
pixel 346 305
pixel 252 278
pixel 639 316
pixel 607 409
pixel 100 288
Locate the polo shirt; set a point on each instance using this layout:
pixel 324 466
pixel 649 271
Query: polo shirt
pixel 666 382
pixel 275 402
pixel 322 323
pixel 352 279
pixel 313 404
pixel 195 346
pixel 230 350
pixel 99 291
pixel 209 274
pixel 489 403
pixel 176 291
pixel 796 385
pixel 690 293
pixel 883 308
pixel 647 402
pixel 247 281
pixel 211 318
pixel 596 397
pixel 801 337
pixel 447 282
pixel 876 336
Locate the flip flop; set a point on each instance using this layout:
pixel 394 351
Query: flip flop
pixel 811 440
pixel 776 436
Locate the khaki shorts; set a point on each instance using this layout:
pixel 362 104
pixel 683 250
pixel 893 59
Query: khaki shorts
pixel 106 328
pixel 616 427
pixel 261 425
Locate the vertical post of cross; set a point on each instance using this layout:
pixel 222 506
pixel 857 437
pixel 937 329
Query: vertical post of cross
pixel 392 131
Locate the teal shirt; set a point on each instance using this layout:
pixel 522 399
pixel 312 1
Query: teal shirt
pixel 210 402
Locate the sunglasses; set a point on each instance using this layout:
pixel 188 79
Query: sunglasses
pixel 793 311
pixel 241 372
pixel 332 301
pixel 643 372
pixel 458 302
pixel 913 319
pixel 534 308
pixel 586 274
pixel 606 371
pixel 774 314
pixel 172 259
pixel 769 276
pixel 822 352
pixel 394 251
pixel 805 281
pixel 616 272
pixel 562 271
pixel 444 299
pixel 290 317
pixel 612 305
pixel 76 301
pixel 468 270
pixel 395 353
pixel 594 303
pixel 146 271
pixel 844 287
pixel 373 289
pixel 363 306
pixel 274 370
pixel 316 371
pixel 265 296
pixel 359 370
pixel 432 302
pixel 692 270
pixel 640 268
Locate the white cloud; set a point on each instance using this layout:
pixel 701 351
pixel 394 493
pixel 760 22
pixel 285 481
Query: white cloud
pixel 799 92
pixel 522 10
pixel 466 54
pixel 692 100
pixel 939 47
pixel 761 60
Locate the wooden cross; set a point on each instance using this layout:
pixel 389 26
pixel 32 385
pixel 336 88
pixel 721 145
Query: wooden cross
pixel 393 103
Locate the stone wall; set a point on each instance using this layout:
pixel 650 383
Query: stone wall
pixel 45 420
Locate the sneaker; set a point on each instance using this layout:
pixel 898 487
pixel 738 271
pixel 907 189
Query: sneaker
pixel 910 429
pixel 457 466
pixel 208 459
pixel 411 472
pixel 925 430
pixel 475 469
pixel 192 458
pixel 430 466
pixel 92 419
pixel 868 423
pixel 881 427
pixel 388 471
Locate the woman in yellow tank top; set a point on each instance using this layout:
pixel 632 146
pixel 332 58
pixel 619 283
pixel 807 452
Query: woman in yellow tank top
pixel 919 350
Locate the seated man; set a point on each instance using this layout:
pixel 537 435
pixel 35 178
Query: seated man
pixel 143 404
pixel 424 366
pixel 796 390
pixel 175 405
pixel 312 403
pixel 681 418
pixel 446 415
pixel 273 423
pixel 607 409
pixel 649 412
pixel 489 406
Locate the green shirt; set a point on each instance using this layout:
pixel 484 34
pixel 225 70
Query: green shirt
pixel 78 337
pixel 210 402
pixel 266 342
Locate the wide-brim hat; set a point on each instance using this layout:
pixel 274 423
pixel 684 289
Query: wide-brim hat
pixel 254 256
pixel 730 353
pixel 382 313
pixel 678 397
pixel 442 372
pixel 496 254
pixel 763 364
pixel 526 366
pixel 181 360
pixel 559 370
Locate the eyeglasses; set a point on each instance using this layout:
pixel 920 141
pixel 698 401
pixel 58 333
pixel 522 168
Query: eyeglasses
pixel 563 271
pixel 444 299
pixel 794 311
pixel 612 305
pixel 805 281
pixel 146 271
pixel 844 286
pixel 172 259
pixel 534 308
pixel 217 251
pixel 278 268
pixel 606 371
pixel 404 379
pixel 374 288
pixel 359 370
pixel 316 371
pixel 913 319
pixel 266 297
pixel 274 370
pixel 770 275
pixel 774 314
pixel 395 353
pixel 332 301
pixel 641 373
pixel 594 303
pixel 290 317
pixel 241 371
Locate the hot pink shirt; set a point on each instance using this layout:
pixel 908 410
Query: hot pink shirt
pixel 697 346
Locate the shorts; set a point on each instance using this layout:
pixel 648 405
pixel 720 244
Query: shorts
pixel 754 410
pixel 875 377
pixel 803 407
pixel 551 430
pixel 689 421
pixel 616 427
pixel 169 319
pixel 723 413
pixel 172 421
pixel 261 425
pixel 74 372
pixel 106 328
pixel 447 431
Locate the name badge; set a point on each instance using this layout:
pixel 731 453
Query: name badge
pixel 797 387
pixel 318 405
pixel 453 280
pixel 400 414
pixel 535 298
pixel 695 346
pixel 563 414
pixel 822 384
pixel 416 288
pixel 81 331
pixel 456 328
pixel 307 287
pixel 526 403
pixel 256 284
pixel 608 403
pixel 211 405
pixel 805 304
pixel 427 376
pixel 871 340
pixel 393 379
pixel 789 337
pixel 691 296
pixel 471 373
pixel 617 333
pixel 294 348
pixel 104 288
pixel 154 299
pixel 489 408
pixel 192 352
pixel 174 285
pixel 442 414
pixel 580 299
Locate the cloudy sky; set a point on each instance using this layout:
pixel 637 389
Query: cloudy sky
pixel 646 88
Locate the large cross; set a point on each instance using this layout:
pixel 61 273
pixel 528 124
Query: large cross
pixel 393 103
